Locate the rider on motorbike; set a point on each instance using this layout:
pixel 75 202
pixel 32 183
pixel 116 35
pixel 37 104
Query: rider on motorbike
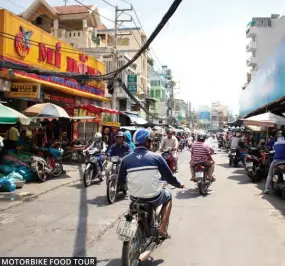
pixel 279 156
pixel 170 142
pixel 201 152
pixel 100 145
pixel 120 148
pixel 147 168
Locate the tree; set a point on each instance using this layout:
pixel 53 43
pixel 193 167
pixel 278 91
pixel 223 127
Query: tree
pixel 150 61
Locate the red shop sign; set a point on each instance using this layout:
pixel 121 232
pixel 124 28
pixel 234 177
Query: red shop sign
pixel 58 98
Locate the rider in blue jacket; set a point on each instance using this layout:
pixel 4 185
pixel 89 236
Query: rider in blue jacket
pixel 128 139
pixel 279 156
pixel 142 170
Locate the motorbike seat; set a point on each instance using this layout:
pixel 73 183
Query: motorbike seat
pixel 141 205
pixel 280 163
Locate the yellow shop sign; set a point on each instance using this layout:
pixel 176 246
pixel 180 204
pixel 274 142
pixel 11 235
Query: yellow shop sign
pixel 24 90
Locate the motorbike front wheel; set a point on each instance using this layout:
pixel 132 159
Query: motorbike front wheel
pixel 131 249
pixel 57 170
pixel 87 177
pixel 111 190
pixel 41 173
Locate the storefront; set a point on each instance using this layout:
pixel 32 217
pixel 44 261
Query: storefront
pixel 266 90
pixel 29 46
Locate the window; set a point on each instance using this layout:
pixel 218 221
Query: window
pixel 152 93
pixel 39 21
pixel 78 34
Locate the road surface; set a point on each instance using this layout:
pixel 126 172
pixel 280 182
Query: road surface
pixel 234 225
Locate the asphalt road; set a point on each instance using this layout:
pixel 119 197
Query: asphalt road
pixel 234 225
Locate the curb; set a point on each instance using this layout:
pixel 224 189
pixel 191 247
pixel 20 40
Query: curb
pixel 28 199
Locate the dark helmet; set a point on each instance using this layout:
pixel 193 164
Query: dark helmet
pixel 201 137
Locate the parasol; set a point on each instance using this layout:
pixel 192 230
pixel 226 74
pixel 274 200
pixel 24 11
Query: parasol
pixel 46 110
pixel 11 116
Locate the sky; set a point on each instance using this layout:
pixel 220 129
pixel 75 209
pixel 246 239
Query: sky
pixel 203 43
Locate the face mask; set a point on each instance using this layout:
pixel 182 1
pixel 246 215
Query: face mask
pixel 280 138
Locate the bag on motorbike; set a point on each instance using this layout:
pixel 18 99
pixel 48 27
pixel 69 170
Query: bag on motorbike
pixel 27 173
pixel 56 153
pixel 7 185
pixel 15 176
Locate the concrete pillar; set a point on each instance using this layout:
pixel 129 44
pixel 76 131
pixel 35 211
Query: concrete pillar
pixel 55 27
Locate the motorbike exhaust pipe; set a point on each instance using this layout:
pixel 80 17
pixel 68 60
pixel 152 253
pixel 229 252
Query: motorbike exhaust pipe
pixel 143 256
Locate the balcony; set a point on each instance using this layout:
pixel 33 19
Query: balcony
pixel 77 38
pixel 251 31
pixel 251 46
pixel 251 62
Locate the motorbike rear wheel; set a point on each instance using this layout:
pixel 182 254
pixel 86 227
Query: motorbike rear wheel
pixel 202 188
pixel 111 191
pixel 87 176
pixel 130 257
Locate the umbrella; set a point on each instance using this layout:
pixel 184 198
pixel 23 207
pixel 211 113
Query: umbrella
pixel 266 120
pixel 11 116
pixel 46 110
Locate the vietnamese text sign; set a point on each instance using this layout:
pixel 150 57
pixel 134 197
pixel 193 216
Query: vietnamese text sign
pixel 24 90
pixel 132 83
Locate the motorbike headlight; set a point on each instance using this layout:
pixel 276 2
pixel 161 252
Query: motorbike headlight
pixel 275 178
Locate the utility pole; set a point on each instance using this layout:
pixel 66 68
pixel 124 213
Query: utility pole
pixel 116 84
pixel 172 99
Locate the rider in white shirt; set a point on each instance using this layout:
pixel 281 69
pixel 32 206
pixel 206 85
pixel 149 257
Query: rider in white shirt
pixel 170 142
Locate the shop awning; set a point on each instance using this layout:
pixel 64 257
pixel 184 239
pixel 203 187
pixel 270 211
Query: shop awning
pixel 98 109
pixel 136 119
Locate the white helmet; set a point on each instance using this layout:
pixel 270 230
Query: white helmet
pixel 98 136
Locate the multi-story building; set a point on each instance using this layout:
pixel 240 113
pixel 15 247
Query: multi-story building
pixel 181 110
pixel 129 44
pixel 74 24
pixel 219 115
pixel 264 34
pixel 159 91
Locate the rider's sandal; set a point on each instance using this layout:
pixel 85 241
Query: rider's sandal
pixel 164 236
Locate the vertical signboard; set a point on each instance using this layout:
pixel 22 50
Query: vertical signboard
pixel 132 83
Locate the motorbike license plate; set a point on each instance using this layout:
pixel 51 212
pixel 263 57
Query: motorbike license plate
pixel 249 164
pixel 233 154
pixel 199 174
pixel 284 177
pixel 34 164
pixel 127 229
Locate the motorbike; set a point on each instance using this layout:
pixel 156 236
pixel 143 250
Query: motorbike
pixel 167 156
pixel 221 143
pixel 92 170
pixel 234 157
pixel 112 181
pixel 156 143
pixel 181 145
pixel 257 164
pixel 278 180
pixel 139 231
pixel 202 181
pixel 42 167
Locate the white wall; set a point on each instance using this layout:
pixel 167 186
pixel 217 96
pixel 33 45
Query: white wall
pixel 267 39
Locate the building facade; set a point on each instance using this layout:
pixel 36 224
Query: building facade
pixel 263 34
pixel 30 46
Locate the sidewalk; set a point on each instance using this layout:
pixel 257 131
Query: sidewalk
pixel 33 190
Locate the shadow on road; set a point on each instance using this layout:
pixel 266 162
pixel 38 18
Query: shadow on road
pixel 187 194
pixel 79 249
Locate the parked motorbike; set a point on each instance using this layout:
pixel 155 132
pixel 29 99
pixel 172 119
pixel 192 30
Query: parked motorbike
pixel 112 181
pixel 92 170
pixel 203 182
pixel 42 167
pixel 278 180
pixel 139 231
pixel 167 155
